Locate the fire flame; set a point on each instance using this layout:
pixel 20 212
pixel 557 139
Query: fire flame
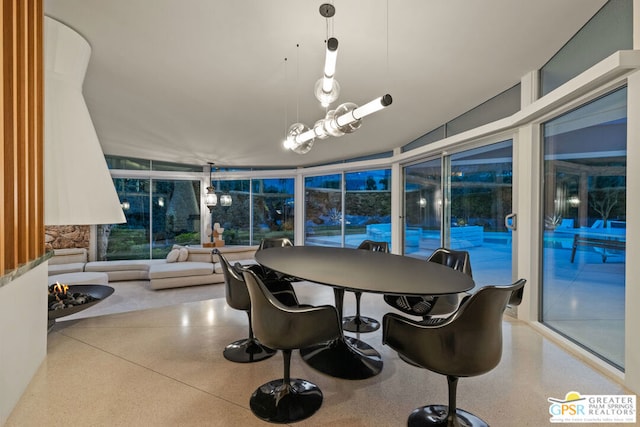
pixel 59 289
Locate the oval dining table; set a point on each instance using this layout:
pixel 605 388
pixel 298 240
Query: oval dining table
pixel 347 269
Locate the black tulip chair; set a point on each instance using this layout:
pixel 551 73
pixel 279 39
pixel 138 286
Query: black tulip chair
pixel 359 323
pixel 467 343
pixel 426 306
pixel 274 242
pixel 287 399
pixel 248 349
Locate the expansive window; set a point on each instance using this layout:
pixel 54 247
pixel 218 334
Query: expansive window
pixel 259 208
pixel 362 199
pixel 273 213
pixel 159 213
pixel 584 226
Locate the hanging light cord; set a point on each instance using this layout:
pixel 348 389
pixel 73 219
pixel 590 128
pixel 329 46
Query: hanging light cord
pixel 286 100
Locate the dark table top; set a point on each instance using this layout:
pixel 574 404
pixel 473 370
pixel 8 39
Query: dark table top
pixel 367 271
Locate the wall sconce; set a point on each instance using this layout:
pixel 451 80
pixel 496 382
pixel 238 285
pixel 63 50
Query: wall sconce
pixel 161 202
pixel 573 201
pixel 422 202
pixel 125 205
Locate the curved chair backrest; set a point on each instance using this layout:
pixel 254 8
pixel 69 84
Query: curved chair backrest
pixel 371 245
pixel 235 288
pixel 467 343
pixel 458 260
pixel 274 242
pixel 287 328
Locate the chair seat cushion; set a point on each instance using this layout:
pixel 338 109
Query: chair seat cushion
pixel 415 305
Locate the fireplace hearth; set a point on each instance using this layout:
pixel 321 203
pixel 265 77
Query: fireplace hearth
pixel 66 300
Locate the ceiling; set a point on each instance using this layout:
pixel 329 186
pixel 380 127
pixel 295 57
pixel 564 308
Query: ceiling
pixel 197 81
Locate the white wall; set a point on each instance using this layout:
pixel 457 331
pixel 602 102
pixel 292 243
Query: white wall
pixel 23 334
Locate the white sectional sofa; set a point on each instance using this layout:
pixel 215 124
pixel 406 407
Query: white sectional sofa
pixel 184 266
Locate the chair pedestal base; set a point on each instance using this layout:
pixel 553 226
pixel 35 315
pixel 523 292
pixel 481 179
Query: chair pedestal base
pixel 347 358
pixel 436 415
pixel 361 324
pixel 246 351
pixel 278 402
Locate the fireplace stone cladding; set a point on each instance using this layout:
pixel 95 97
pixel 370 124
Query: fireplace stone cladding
pixel 67 236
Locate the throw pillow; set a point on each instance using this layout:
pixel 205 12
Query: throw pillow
pixel 173 254
pixel 183 254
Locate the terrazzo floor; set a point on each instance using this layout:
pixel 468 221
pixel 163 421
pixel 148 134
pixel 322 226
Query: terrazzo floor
pixel 163 366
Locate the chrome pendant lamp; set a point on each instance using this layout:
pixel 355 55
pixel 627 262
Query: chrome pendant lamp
pixel 346 118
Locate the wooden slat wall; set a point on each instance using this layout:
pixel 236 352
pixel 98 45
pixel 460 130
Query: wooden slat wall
pixel 21 157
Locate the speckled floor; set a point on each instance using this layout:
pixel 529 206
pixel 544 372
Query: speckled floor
pixel 164 367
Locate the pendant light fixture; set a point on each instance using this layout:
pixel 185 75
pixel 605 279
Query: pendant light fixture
pixel 327 88
pixel 210 199
pixel 346 118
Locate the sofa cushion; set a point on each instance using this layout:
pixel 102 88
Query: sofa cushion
pixel 75 267
pixel 122 265
pixel 183 254
pixel 173 255
pixel 80 279
pixel 199 255
pixel 179 282
pixel 68 256
pixel 180 269
pixel 194 254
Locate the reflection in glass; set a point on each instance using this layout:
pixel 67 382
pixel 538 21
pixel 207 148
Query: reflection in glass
pixel 236 218
pixel 131 239
pixel 584 225
pixel 323 210
pixel 422 208
pixel 481 198
pixel 175 215
pixel 367 206
pixel 273 208
pixel 159 213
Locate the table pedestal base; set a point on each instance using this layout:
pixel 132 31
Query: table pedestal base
pixel 360 324
pixel 347 358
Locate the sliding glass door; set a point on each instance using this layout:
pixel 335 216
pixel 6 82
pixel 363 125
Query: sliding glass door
pixel 481 197
pixel 460 202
